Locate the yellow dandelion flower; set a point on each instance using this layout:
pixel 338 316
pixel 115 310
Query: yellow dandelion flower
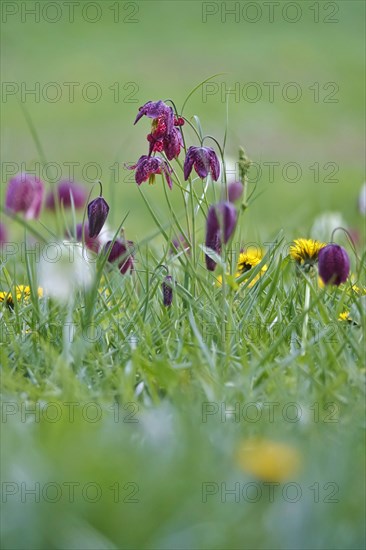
pixel 305 251
pixel 22 292
pixel 361 291
pixel 268 460
pixel 247 260
pixel 344 316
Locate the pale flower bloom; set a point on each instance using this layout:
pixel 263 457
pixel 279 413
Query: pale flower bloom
pixel 64 269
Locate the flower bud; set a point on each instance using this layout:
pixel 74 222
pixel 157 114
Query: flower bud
pixel 97 214
pixel 334 264
pixel 167 291
pixel 235 191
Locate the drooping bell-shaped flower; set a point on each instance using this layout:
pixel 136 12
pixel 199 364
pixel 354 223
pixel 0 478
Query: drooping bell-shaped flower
pixel 156 109
pixel 221 223
pixel 167 290
pixel 67 192
pixel 146 168
pixel 204 161
pixel 333 264
pixel 235 191
pixel 97 214
pixel 3 234
pixel 121 251
pixel 82 235
pixel 25 194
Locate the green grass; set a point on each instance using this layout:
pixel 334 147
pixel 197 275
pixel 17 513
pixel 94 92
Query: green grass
pixel 121 387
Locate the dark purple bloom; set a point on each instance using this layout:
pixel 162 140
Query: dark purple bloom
pixel 92 243
pixel 235 191
pixel 3 234
pixel 64 191
pixel 172 144
pixel 121 251
pixel 146 168
pixel 221 222
pixel 334 264
pixel 161 139
pixel 204 160
pixel 179 242
pixel 97 214
pixel 167 289
pixel 25 194
pixel 156 109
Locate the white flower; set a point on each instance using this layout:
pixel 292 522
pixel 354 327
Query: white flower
pixel 362 200
pixel 64 269
pixel 325 224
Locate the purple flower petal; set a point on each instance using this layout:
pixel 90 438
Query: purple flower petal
pixel 204 160
pixel 334 264
pixel 97 214
pixel 235 191
pixel 3 234
pixel 64 191
pixel 25 194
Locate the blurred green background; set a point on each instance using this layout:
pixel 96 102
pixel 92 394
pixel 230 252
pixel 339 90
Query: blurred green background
pixel 140 51
pixel 137 51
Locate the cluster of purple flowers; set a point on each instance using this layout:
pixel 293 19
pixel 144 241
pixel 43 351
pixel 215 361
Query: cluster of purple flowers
pixel 25 194
pixel 166 137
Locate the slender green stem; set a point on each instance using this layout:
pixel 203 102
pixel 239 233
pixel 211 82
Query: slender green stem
pixel 306 318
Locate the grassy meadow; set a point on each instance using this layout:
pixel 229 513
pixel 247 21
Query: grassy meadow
pixel 235 417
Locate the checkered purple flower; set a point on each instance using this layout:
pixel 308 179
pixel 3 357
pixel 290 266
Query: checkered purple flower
pixel 333 264
pixel 66 193
pixel 221 223
pixel 147 167
pixel 25 194
pixel 204 160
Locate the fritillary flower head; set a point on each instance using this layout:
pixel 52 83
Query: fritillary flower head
pixel 167 290
pixel 97 214
pixel 161 139
pixel 157 109
pixel 25 194
pixel 92 243
pixel 235 191
pixel 147 167
pixel 179 243
pixel 334 264
pixel 121 251
pixel 220 225
pixel 204 160
pixel 66 193
pixel 3 234
pixel 305 252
